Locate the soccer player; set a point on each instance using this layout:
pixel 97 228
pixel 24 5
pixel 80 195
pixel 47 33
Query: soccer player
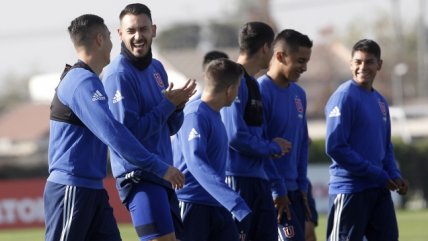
pixel 208 57
pixel 358 140
pixel 285 113
pixel 249 151
pixel 142 99
pixel 75 202
pixel 213 55
pixel 200 152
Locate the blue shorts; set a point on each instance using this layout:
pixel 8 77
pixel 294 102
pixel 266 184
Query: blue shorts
pixel 261 224
pixel 155 211
pixel 293 229
pixel 206 223
pixel 367 213
pixel 78 214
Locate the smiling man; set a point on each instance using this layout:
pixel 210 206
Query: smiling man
pixel 143 100
pixel 363 169
pixel 285 105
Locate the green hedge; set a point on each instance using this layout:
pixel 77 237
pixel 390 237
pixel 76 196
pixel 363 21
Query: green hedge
pixel 412 159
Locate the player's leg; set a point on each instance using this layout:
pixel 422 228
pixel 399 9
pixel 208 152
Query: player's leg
pixel 310 231
pixel 311 225
pixel 70 211
pixel 222 225
pixel 176 216
pixel 150 212
pixel 348 216
pixel 264 212
pixel 53 207
pixel 383 222
pixel 242 186
pixel 104 226
pixel 293 229
pixel 196 220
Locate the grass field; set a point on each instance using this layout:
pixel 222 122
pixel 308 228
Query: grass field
pixel 413 227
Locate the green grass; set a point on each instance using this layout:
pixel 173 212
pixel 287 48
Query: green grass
pixel 412 224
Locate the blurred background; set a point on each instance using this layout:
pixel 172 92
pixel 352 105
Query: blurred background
pixel 34 47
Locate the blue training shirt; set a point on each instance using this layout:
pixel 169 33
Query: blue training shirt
pixel 137 100
pixel 358 139
pixel 248 149
pixel 200 151
pixel 78 154
pixel 286 117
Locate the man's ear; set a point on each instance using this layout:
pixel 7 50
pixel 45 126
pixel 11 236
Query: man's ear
pixel 380 62
pixel 154 28
pixel 229 91
pixel 119 31
pixel 99 39
pixel 265 48
pixel 280 56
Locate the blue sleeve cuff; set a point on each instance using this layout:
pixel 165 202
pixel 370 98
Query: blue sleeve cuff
pixel 274 148
pixel 303 186
pixel 279 189
pixel 167 106
pixel 240 211
pixel 394 175
pixel 160 168
pixel 382 178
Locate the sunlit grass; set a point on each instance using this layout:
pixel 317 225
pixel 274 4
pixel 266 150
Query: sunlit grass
pixel 412 225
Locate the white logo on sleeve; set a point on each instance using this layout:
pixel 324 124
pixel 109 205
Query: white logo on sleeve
pixel 193 134
pixel 335 112
pixel 98 96
pixel 117 97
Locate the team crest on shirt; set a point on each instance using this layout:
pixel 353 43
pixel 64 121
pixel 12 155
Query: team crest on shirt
pixel 299 106
pixel 382 107
pixel 158 79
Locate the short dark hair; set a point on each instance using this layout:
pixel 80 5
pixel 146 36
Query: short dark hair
pixel 292 40
pixel 212 55
pixel 222 73
pixel 253 35
pixel 368 46
pixel 136 9
pixel 84 28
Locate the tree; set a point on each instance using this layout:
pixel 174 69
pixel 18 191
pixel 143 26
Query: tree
pixel 15 89
pixel 180 36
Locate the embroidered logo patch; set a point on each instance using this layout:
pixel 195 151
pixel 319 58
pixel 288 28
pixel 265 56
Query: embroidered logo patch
pixel 158 79
pixel 242 236
pixel 382 107
pixel 285 232
pixel 298 103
